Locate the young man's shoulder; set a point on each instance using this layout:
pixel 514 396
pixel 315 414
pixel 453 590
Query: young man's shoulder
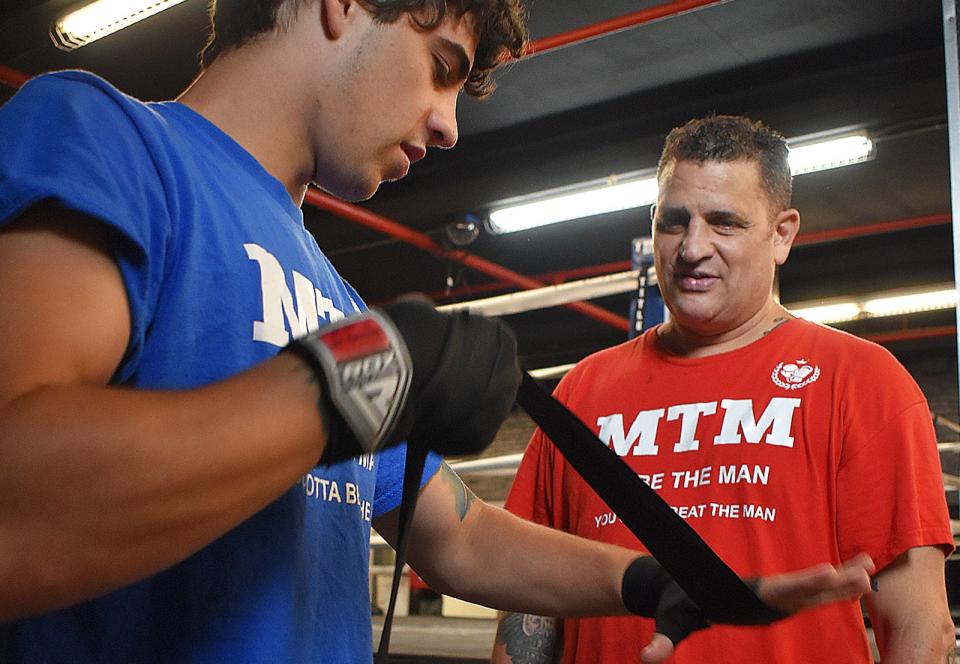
pixel 73 86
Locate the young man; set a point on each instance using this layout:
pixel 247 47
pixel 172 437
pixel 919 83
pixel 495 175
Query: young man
pixel 780 441
pixel 162 498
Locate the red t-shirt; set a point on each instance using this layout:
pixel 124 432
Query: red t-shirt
pixel 807 446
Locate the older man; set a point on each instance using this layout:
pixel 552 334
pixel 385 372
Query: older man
pixel 782 442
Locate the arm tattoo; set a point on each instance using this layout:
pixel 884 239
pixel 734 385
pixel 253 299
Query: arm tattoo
pixel 464 495
pixel 530 639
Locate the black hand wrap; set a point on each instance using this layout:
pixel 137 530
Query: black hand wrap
pixel 406 371
pixel 648 590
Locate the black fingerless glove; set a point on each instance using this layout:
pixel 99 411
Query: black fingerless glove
pixel 406 371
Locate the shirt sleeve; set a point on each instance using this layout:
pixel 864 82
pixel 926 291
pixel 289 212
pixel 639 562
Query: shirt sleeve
pixel 537 493
pixel 531 494
pixel 890 494
pixel 71 139
pixel 391 463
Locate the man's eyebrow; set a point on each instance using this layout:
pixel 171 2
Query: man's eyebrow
pixel 671 211
pixel 725 214
pixel 462 65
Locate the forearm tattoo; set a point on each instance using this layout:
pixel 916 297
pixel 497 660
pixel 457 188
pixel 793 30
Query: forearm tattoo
pixel 530 639
pixel 461 492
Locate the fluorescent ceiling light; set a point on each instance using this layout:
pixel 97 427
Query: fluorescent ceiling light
pixel 572 203
pixel 907 304
pixel 551 372
pixel 639 188
pixel 832 153
pixel 877 305
pixel 829 313
pixel 101 18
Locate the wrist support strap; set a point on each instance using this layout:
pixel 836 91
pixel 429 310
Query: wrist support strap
pixel 366 370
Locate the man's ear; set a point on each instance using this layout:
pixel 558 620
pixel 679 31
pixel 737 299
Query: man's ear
pixel 334 16
pixel 785 229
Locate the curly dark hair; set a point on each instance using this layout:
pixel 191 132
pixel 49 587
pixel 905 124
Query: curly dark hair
pixel 734 138
pixel 500 27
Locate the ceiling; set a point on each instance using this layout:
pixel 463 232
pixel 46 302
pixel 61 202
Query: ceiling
pixel 603 106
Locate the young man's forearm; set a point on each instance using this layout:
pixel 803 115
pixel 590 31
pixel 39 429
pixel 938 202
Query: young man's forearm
pixel 105 486
pixel 505 562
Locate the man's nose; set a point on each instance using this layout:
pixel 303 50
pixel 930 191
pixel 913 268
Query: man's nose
pixel 696 244
pixel 442 125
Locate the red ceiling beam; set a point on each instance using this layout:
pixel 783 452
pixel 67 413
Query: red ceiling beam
pixel 872 229
pixel 912 335
pixel 618 24
pixel 11 77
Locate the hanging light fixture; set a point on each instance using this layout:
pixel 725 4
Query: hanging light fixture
pixel 894 303
pixel 636 189
pixel 100 18
pixel 830 153
pixel 583 200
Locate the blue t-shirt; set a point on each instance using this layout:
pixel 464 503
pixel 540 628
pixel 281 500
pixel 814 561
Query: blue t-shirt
pixel 220 274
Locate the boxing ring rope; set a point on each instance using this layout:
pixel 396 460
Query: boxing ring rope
pixel 552 278
pixel 550 296
pixel 626 281
pixel 883 338
pixel 606 269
